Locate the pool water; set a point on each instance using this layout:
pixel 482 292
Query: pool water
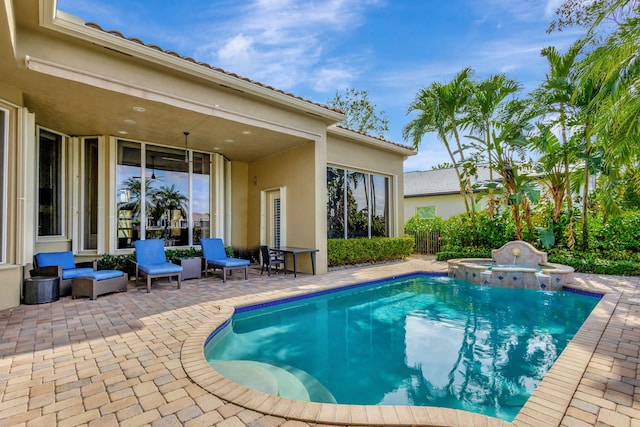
pixel 419 340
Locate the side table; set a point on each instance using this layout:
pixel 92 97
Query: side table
pixel 191 267
pixel 40 290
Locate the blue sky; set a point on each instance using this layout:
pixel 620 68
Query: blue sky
pixel 312 48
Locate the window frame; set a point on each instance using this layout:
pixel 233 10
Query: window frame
pixel 62 190
pixel 4 170
pixel 144 166
pixel 368 177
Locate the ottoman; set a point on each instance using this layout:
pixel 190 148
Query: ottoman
pixel 99 282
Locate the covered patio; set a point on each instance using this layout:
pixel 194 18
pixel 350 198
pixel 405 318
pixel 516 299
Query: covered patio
pixel 119 360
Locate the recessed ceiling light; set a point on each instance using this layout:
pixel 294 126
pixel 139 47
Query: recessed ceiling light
pixel 139 109
pixel 246 132
pixel 130 122
pixel 228 140
pixel 216 148
pixel 123 132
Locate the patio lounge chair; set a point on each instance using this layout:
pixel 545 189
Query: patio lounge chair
pixel 215 257
pixel 272 257
pixel 62 265
pixel 151 261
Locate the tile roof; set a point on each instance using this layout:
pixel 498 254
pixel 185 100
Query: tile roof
pixel 203 64
pixel 439 181
pixel 408 147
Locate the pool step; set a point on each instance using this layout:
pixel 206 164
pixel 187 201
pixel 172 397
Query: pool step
pixel 276 379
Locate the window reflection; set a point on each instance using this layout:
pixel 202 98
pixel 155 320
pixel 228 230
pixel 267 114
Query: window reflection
pixel 50 184
pixel 129 193
pixel 357 204
pixel 167 210
pixel 200 197
pixel 168 207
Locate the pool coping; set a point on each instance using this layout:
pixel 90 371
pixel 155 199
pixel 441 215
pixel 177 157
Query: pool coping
pixel 548 403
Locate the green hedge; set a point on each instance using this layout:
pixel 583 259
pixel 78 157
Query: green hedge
pixel 446 255
pixel 363 250
pixel 584 262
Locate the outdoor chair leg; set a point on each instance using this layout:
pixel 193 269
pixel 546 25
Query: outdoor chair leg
pixel 148 284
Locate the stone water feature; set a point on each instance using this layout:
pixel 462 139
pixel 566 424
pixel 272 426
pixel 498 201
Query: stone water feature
pixel 517 264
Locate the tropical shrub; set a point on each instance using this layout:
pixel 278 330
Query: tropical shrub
pixel 363 250
pixel 590 262
pixel 462 231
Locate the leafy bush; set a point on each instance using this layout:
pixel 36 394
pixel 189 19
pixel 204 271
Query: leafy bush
pixel 363 250
pixel 588 262
pixel 116 262
pixel 174 255
pixel 620 233
pixel 417 224
pixel 452 253
pixel 480 232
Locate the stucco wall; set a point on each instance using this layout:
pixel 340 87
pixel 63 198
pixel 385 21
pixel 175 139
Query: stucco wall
pixel 446 205
pixel 294 170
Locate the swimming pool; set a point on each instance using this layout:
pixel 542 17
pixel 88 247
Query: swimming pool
pixel 418 340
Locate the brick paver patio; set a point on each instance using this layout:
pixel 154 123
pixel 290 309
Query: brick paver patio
pixel 130 359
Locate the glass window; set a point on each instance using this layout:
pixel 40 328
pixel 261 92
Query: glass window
pixel 201 196
pixel 357 204
pixel 90 193
pixel 426 212
pixel 129 193
pixel 167 211
pixel 335 203
pixel 379 206
pixel 176 193
pixel 4 137
pixel 50 167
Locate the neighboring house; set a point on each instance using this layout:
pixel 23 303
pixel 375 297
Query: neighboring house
pixel 106 140
pixel 437 192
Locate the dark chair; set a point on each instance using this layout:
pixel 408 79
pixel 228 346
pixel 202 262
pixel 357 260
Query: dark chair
pixel 272 257
pixel 151 261
pixel 216 257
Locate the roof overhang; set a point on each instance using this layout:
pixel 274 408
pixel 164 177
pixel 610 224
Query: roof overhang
pixel 371 141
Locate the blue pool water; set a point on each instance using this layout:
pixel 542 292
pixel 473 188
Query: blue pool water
pixel 418 340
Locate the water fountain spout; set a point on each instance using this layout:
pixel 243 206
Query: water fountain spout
pixel 516 253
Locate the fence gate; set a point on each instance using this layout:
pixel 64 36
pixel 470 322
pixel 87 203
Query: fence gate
pixel 427 242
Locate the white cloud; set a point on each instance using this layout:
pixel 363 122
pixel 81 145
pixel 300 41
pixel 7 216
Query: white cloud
pixel 285 43
pixel 551 7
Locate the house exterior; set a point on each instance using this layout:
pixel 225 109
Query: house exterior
pixel 437 192
pixel 106 140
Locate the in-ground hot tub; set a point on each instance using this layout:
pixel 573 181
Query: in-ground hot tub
pixel 517 264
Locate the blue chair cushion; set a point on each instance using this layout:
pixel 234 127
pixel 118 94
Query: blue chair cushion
pixel 70 273
pixel 48 259
pixel 213 249
pixel 229 262
pixel 150 252
pixel 163 268
pixel 104 274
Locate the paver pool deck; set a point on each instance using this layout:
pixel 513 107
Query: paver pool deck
pixel 135 359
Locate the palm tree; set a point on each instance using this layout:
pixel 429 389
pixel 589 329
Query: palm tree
pixel 442 109
pixel 165 200
pixel 556 92
pixel 614 67
pixel 487 97
pixel 133 188
pixel 550 167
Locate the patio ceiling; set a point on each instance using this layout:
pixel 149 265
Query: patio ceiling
pixel 78 109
